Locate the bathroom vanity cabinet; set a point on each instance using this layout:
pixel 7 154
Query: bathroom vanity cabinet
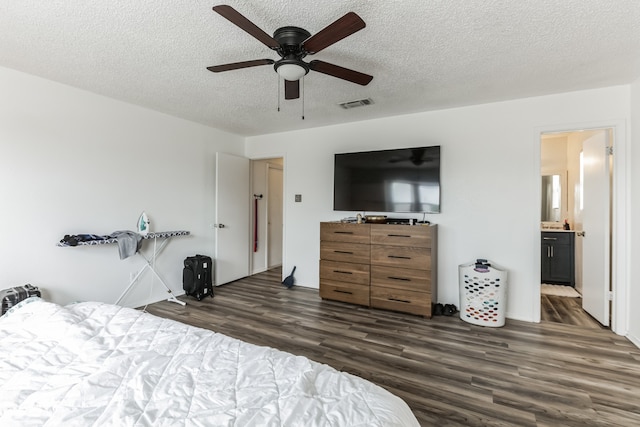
pixel 558 257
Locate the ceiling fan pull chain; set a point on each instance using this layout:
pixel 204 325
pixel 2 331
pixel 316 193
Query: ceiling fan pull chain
pixel 278 80
pixel 302 80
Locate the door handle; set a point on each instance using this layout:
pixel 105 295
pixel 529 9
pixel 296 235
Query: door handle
pixel 580 233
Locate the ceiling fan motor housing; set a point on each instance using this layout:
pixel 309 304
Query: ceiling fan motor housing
pixel 290 39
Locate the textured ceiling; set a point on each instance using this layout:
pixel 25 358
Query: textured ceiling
pixel 423 54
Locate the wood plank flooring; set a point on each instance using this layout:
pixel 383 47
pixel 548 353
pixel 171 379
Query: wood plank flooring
pixel 449 372
pixel 566 310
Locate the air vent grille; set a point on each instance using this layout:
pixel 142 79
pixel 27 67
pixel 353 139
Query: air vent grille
pixel 358 103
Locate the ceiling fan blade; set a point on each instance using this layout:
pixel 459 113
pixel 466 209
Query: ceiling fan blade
pixel 238 19
pixel 291 89
pixel 238 65
pixel 343 27
pixel 340 72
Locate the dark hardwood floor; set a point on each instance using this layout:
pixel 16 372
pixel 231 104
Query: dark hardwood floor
pixel 449 372
pixel 566 310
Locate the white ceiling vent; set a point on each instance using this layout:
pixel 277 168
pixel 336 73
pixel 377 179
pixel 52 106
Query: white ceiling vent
pixel 358 103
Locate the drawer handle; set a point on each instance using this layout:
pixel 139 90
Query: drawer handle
pixel 399 300
pixel 342 292
pixel 398 257
pixel 398 235
pixel 549 238
pixel 343 252
pixel 342 272
pixel 404 279
pixel 343 232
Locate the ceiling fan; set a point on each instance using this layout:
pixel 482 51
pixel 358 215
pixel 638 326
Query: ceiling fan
pixel 417 157
pixel 293 44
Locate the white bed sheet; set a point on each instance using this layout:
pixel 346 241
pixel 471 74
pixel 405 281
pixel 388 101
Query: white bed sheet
pixel 99 364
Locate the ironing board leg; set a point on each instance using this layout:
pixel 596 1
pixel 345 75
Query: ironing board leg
pixel 150 265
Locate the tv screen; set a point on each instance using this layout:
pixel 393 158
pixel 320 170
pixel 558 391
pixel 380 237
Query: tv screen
pixel 399 180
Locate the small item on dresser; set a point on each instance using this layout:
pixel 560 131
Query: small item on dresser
pixel 13 296
pixel 566 225
pixel 376 219
pixel 349 219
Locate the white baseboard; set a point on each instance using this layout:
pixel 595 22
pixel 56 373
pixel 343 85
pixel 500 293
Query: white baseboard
pixel 634 340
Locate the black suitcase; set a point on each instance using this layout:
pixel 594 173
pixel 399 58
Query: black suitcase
pixel 196 276
pixel 13 296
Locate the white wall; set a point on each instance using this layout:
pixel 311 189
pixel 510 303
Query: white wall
pixel 490 181
pixel 634 255
pixel 74 162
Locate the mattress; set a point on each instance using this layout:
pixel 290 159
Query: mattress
pixel 99 364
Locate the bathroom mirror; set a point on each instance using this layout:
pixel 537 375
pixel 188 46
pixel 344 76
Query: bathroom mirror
pixel 553 203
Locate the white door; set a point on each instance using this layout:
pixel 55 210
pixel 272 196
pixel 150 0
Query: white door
pixel 274 217
pixel 231 218
pixel 595 225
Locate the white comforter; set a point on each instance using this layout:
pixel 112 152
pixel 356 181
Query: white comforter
pixel 93 364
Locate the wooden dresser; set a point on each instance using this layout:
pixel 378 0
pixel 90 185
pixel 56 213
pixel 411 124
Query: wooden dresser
pixel 391 267
pixel 345 252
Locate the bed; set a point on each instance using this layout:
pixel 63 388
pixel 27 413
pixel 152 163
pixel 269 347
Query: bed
pixel 99 364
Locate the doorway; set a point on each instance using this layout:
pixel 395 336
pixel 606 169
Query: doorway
pixel 266 214
pixel 576 223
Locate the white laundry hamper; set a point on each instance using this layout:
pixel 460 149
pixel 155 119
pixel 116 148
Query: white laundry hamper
pixel 483 293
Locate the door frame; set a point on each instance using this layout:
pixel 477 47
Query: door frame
pixel 619 217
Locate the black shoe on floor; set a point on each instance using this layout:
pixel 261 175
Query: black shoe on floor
pixel 438 309
pixel 449 310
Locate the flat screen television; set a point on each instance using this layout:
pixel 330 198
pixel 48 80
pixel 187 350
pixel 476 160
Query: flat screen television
pixel 398 180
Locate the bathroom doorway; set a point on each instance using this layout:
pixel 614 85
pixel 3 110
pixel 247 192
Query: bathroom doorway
pixel 576 221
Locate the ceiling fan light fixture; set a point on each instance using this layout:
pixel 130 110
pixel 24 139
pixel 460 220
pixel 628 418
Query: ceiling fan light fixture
pixel 291 70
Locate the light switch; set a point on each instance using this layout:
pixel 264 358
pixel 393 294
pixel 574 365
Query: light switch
pixel 298 198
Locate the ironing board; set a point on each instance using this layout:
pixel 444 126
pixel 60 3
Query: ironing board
pixel 149 261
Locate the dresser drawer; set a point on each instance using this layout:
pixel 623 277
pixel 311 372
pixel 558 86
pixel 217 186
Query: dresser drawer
pixel 401 278
pixel 559 237
pixel 345 232
pixel 401 300
pixel 344 272
pixel 418 236
pixel 345 292
pixel 400 256
pixel 345 252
